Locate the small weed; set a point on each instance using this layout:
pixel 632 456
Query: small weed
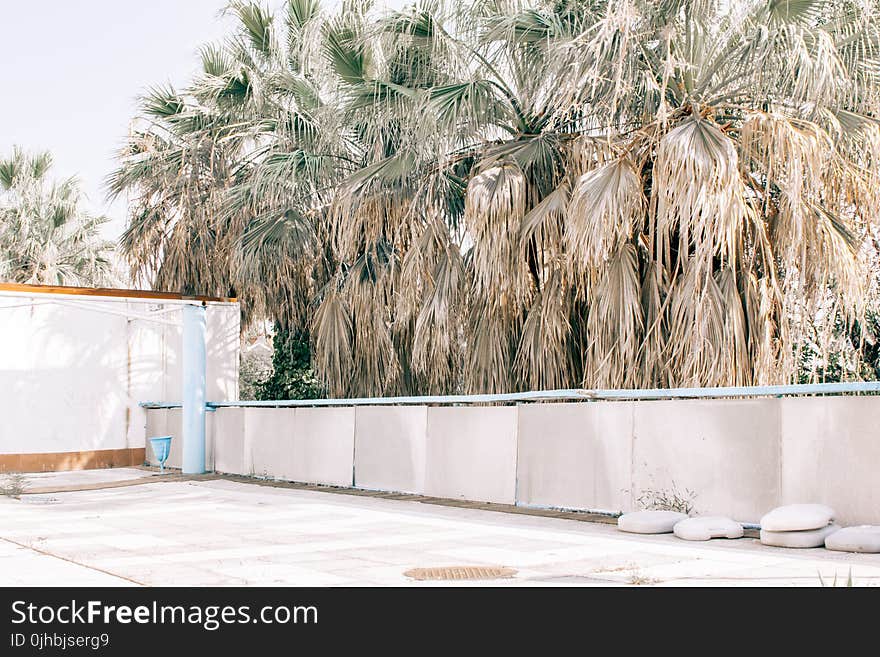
pixel 13 485
pixel 826 583
pixel 671 499
pixel 637 579
pixel 616 569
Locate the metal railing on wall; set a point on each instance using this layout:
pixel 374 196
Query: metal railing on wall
pixel 569 395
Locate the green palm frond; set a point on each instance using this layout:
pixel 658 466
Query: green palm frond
pixel 345 55
pixel 215 60
pixel 256 22
pixel 162 102
pixel 301 12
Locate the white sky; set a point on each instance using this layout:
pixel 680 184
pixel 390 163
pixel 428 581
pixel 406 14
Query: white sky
pixel 72 70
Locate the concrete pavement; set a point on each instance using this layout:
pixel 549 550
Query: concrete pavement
pixel 220 532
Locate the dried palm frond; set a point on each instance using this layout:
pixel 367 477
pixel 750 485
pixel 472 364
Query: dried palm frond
pixel 698 190
pixel 496 196
pixel 615 324
pixel 494 209
pixel 543 360
pixel 607 206
pixel 332 331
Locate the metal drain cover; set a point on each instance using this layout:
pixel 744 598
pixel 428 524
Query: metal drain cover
pixel 461 572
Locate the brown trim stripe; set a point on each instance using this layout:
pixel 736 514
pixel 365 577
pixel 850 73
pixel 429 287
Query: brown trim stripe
pixel 105 292
pixel 63 461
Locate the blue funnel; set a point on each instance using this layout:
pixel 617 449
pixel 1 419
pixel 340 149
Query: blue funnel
pixel 161 448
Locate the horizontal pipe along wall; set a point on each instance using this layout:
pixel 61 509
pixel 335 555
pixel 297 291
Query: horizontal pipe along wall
pixel 737 457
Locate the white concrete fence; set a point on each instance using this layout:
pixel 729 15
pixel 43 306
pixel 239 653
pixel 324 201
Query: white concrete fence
pixel 740 457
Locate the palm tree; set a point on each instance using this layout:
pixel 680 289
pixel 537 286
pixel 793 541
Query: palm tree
pixel 520 195
pixel 192 169
pixel 46 237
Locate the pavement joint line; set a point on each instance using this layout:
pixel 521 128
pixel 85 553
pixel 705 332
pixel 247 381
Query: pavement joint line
pixel 581 516
pixel 48 490
pixel 763 578
pixel 73 561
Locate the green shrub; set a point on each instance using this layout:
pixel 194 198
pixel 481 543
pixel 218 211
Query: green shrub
pixel 292 375
pixel 855 357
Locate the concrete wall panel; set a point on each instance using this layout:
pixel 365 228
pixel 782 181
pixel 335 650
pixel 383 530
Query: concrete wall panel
pixel 268 441
pixel 389 449
pixel 575 455
pixel 229 440
pixel 831 455
pixel 471 453
pixel 725 451
pixel 323 446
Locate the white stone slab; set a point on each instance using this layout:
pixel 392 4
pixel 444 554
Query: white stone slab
pixel 649 522
pixel 862 538
pixel 707 527
pixel 797 517
pixel 809 538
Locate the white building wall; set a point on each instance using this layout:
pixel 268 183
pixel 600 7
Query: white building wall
pixel 71 375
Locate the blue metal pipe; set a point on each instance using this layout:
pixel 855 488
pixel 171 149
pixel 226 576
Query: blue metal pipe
pixel 856 387
pixel 194 387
